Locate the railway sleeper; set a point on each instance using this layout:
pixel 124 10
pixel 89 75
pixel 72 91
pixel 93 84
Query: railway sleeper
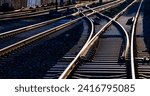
pixel 144 70
pixel 144 66
pixel 101 72
pixel 76 75
pixel 104 67
pixel 146 73
pixel 101 69
pixel 143 76
pixel 105 59
pixel 103 64
pixel 97 61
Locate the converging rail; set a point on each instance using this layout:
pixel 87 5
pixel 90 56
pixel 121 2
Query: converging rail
pixel 105 60
pixel 58 68
pixel 95 20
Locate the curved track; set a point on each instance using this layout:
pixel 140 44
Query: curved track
pixel 105 58
pixel 99 21
pixel 59 67
pixel 102 61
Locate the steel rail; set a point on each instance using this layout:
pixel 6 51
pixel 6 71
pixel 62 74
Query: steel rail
pixel 132 41
pixel 30 27
pixel 124 54
pixel 108 5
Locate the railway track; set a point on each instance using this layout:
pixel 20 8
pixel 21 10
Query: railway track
pixel 34 60
pixel 96 21
pixel 33 12
pixel 60 66
pixel 139 50
pixel 10 52
pixel 18 23
pixel 102 62
pixel 20 36
pixel 30 13
pixel 106 56
pixel 101 51
pixel 62 63
pixel 23 37
pixel 29 10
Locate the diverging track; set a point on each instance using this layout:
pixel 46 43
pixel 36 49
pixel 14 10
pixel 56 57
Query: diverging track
pixel 106 55
pixel 92 17
pixel 104 58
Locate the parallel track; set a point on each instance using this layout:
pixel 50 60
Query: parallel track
pixel 34 60
pixel 31 39
pixel 28 10
pixel 7 49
